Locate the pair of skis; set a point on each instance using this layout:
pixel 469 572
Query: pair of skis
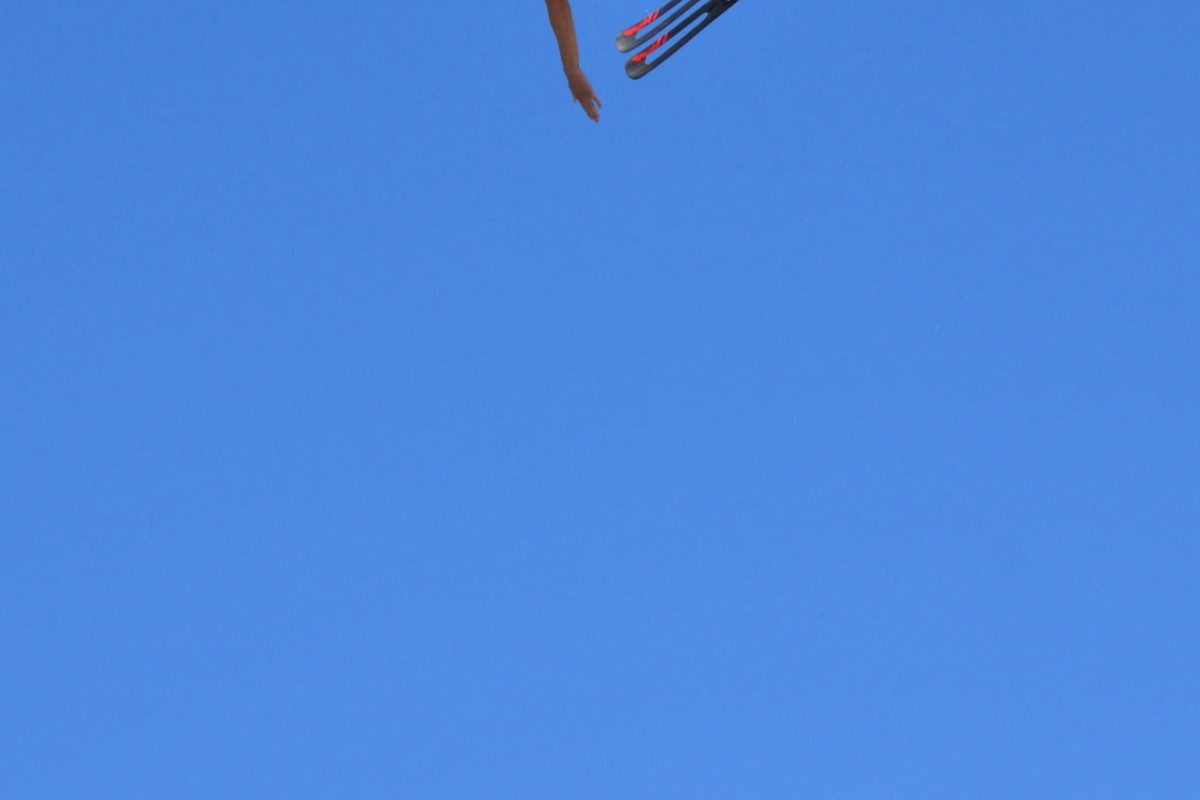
pixel 652 37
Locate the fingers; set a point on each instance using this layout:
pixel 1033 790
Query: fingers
pixel 589 102
pixel 585 95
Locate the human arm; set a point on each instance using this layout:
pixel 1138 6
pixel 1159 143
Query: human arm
pixel 568 49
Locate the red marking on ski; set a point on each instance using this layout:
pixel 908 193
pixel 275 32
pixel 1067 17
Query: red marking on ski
pixel 642 24
pixel 659 42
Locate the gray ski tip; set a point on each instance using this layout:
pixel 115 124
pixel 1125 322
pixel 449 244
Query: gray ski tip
pixel 625 42
pixel 636 69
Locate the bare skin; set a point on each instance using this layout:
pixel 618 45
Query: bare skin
pixel 568 48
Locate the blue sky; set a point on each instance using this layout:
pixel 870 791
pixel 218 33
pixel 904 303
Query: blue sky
pixel 822 423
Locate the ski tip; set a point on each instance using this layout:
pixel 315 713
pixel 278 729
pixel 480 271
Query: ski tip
pixel 637 68
pixel 625 42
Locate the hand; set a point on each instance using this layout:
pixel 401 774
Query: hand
pixel 581 90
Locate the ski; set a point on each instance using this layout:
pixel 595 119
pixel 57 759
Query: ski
pixel 635 37
pixel 640 64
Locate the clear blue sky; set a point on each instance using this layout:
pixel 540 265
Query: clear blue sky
pixel 824 423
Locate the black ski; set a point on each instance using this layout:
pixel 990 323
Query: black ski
pixel 632 38
pixel 638 35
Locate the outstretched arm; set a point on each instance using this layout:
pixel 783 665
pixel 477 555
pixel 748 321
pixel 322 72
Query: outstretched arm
pixel 568 48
